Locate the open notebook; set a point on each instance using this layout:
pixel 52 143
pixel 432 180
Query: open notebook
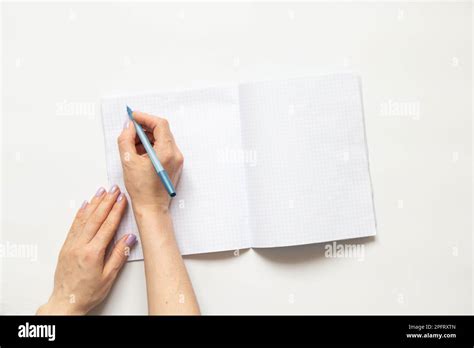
pixel 267 164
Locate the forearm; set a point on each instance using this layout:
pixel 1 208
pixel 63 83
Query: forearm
pixel 169 288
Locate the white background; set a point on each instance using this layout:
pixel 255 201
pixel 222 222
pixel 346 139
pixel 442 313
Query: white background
pixel 59 59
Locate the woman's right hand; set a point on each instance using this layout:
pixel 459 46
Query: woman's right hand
pixel 169 288
pixel 141 180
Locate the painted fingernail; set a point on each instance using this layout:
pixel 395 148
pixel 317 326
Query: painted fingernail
pixel 113 189
pixel 99 192
pixel 84 204
pixel 125 125
pixel 120 197
pixel 131 239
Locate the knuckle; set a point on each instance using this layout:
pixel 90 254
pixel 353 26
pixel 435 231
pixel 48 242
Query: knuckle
pixel 179 158
pixel 163 122
pixel 108 225
pixel 78 222
pixel 120 253
pixel 109 198
pixel 79 216
pixel 121 139
pixel 120 256
pixel 91 253
pixel 84 256
pixel 98 248
pixel 167 157
pixel 97 218
pixel 127 160
pixel 172 158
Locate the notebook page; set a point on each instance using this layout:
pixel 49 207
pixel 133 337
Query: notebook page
pixel 210 209
pixel 311 180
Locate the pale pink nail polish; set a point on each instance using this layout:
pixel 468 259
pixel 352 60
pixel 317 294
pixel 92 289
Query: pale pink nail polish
pixel 99 192
pixel 120 197
pixel 84 204
pixel 113 189
pixel 131 239
pixel 125 125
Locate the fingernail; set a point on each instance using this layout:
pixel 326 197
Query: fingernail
pixel 113 189
pixel 125 125
pixel 84 204
pixel 120 197
pixel 131 239
pixel 99 192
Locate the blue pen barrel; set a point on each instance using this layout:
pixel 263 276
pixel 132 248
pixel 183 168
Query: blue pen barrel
pixel 165 179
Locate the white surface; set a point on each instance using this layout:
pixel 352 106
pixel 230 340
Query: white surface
pixel 59 59
pixel 309 181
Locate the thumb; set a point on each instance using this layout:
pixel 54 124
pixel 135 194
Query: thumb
pixel 119 255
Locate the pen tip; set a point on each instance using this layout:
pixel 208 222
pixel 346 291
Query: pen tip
pixel 130 113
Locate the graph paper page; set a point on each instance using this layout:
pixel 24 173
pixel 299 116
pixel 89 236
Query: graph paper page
pixel 311 179
pixel 210 210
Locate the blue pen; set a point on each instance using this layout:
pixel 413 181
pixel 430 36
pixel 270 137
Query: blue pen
pixel 165 179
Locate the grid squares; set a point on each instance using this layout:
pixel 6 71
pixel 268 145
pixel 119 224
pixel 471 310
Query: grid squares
pixel 311 181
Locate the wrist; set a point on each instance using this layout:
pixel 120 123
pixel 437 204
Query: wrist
pixel 55 307
pixel 155 225
pixel 150 211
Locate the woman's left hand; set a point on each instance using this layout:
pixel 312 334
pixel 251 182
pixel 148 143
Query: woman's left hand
pixel 83 275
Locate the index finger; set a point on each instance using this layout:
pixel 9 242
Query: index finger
pixel 108 228
pixel 159 126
